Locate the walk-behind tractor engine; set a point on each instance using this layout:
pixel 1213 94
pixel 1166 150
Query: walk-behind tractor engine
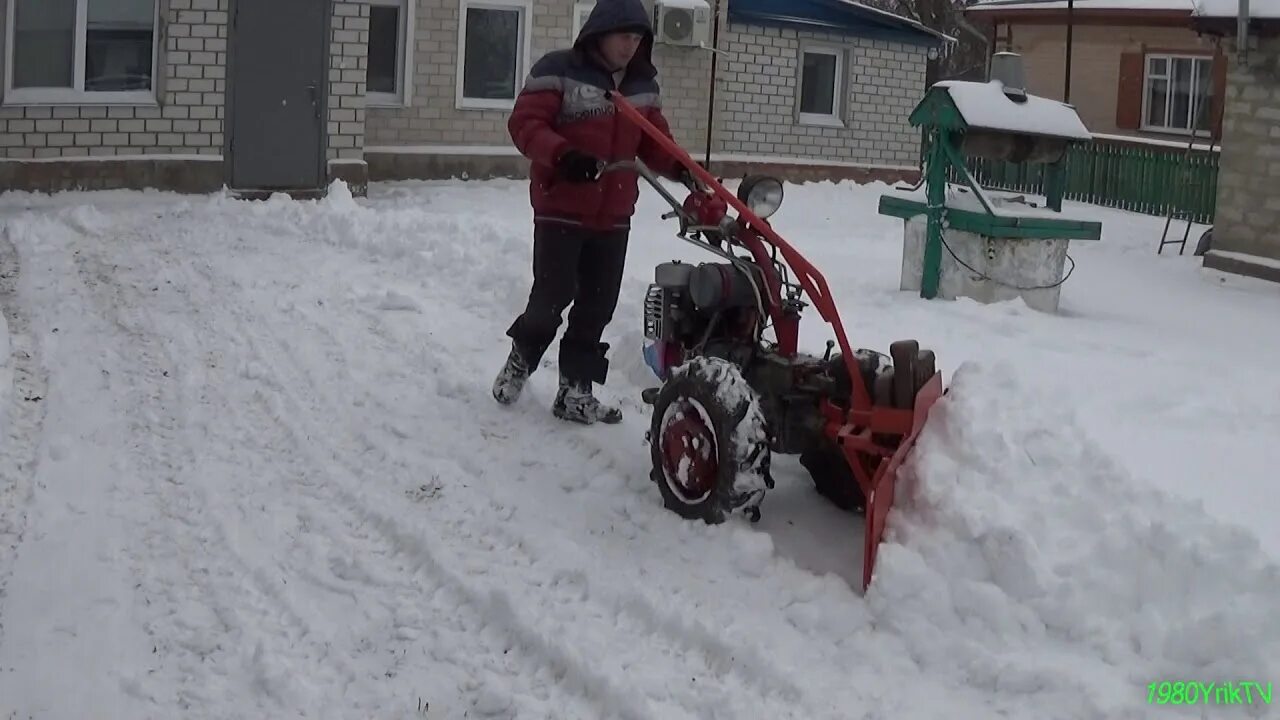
pixel 731 395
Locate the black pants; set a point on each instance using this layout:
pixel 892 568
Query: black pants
pixel 572 265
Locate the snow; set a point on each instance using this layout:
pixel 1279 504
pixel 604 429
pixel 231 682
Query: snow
pixel 1006 204
pixel 1265 9
pixel 1178 144
pixel 1247 258
pixel 1158 5
pixel 265 478
pixel 984 105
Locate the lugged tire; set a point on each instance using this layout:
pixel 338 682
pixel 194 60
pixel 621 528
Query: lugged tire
pixel 732 412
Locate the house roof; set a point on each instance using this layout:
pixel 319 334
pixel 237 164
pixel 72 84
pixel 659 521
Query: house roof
pixel 1113 5
pixel 1218 17
pixel 1258 9
pixel 1266 10
pixel 1157 12
pixel 843 16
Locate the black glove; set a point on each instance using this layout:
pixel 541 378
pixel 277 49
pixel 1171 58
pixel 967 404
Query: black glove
pixel 577 166
pixel 685 177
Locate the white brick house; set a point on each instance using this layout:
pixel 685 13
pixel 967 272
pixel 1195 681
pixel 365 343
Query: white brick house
pixel 197 94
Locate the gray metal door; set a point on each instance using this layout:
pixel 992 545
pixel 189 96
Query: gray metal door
pixel 278 59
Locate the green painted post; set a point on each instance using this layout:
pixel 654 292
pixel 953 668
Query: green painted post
pixel 936 194
pixel 1054 180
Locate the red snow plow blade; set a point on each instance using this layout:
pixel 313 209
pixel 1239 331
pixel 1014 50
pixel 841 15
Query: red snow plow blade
pixel 884 481
pixel 866 417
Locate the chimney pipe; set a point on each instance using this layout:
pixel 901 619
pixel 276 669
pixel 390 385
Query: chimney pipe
pixel 1006 67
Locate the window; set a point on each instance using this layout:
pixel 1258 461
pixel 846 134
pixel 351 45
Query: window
pixel 80 51
pixel 821 86
pixel 390 47
pixel 1175 88
pixel 581 11
pixel 493 52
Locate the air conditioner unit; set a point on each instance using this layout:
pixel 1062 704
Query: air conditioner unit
pixel 682 22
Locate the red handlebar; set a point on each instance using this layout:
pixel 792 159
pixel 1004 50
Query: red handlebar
pixel 810 279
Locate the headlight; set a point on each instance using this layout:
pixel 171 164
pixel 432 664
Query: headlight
pixel 761 193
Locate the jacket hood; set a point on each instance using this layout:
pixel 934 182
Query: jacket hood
pixel 613 15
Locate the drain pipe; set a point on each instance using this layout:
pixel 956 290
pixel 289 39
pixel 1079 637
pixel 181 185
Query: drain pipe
pixel 1242 33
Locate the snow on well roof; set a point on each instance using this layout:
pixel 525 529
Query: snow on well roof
pixel 984 105
pixel 1261 9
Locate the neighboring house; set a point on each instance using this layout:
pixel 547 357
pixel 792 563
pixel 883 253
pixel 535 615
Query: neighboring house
pixel 1245 240
pixel 1138 69
pixel 288 94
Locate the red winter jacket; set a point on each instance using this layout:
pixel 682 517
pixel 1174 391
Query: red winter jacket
pixel 563 106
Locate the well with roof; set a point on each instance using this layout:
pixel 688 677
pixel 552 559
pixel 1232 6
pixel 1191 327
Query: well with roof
pixel 962 240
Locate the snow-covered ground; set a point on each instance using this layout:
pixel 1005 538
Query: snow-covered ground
pixel 252 469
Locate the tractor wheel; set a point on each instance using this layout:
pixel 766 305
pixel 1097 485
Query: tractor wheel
pixel 832 477
pixel 709 442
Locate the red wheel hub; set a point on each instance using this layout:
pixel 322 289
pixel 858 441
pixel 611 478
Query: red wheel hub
pixel 689 453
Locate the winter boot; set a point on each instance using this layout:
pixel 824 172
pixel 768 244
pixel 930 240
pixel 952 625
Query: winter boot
pixel 575 403
pixel 511 378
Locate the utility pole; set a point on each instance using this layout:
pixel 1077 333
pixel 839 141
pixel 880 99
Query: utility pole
pixel 1066 87
pixel 711 99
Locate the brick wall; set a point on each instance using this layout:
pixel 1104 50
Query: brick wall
pixel 1248 209
pixel 1095 64
pixel 348 59
pixel 758 98
pixel 187 120
pixel 434 119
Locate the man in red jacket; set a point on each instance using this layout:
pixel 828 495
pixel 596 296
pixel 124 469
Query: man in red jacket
pixel 582 214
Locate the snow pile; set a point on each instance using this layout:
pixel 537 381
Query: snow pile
pixel 1021 558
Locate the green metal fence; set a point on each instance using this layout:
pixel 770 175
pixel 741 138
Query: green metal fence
pixel 1141 178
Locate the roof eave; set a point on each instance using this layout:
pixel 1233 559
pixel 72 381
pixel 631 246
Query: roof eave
pixel 921 36
pixel 904 21
pixel 1161 17
pixel 1226 25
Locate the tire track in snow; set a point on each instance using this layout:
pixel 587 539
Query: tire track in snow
pixel 227 598
pixel 693 637
pixel 24 417
pixel 306 399
pixel 449 592
pixel 711 657
pixel 249 328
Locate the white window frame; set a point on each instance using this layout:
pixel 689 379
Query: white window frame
pixel 403 95
pixel 836 118
pixel 523 54
pixel 76 95
pixel 578 9
pixel 1204 61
